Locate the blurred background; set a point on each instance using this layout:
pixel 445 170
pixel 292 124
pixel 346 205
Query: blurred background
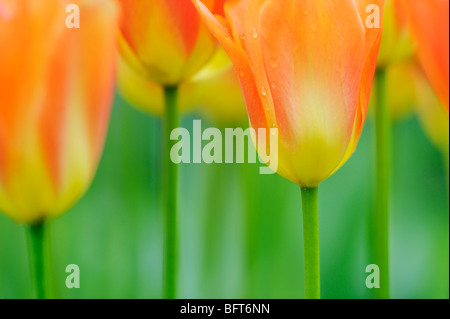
pixel 240 232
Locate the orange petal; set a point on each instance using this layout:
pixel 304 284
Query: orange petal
pixel 222 32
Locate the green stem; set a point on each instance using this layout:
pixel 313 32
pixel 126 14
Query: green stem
pixel 37 256
pixel 310 205
pixel 445 159
pixel 380 216
pixel 213 223
pixel 171 185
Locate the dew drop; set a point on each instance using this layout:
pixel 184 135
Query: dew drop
pixel 243 36
pixel 255 33
pixel 263 91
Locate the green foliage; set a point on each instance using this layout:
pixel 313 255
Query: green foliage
pixel 114 233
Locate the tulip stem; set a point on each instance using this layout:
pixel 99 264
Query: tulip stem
pixel 310 205
pixel 171 185
pixel 445 158
pixel 37 256
pixel 380 217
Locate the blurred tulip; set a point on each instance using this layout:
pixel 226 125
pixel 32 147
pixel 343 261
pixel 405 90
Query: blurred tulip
pixel 214 92
pixel 56 88
pixel 400 90
pixel 432 115
pixel 430 26
pixel 165 40
pixel 397 43
pixel 309 77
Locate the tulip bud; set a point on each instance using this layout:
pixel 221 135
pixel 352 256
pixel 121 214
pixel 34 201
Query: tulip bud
pixel 306 68
pixel 165 40
pixel 56 88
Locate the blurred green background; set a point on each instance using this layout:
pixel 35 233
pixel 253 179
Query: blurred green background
pixel 240 232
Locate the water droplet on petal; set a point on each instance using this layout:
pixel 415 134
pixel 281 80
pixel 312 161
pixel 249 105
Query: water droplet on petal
pixel 255 33
pixel 263 91
pixel 243 36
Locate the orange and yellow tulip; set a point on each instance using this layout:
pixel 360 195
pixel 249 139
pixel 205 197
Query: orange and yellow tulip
pixel 429 22
pixel 306 67
pixel 165 40
pixel 56 89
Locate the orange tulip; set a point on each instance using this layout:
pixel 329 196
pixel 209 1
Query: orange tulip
pixel 56 88
pixel 306 68
pixel 165 40
pixel 430 26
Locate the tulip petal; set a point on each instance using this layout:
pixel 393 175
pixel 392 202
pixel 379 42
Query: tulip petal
pixel 221 30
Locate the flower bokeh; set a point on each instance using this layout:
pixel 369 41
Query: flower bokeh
pixel 56 86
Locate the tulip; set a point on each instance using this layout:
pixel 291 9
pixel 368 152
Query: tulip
pixel 306 68
pixel 286 83
pixel 397 47
pixel 430 26
pixel 165 42
pixel 56 88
